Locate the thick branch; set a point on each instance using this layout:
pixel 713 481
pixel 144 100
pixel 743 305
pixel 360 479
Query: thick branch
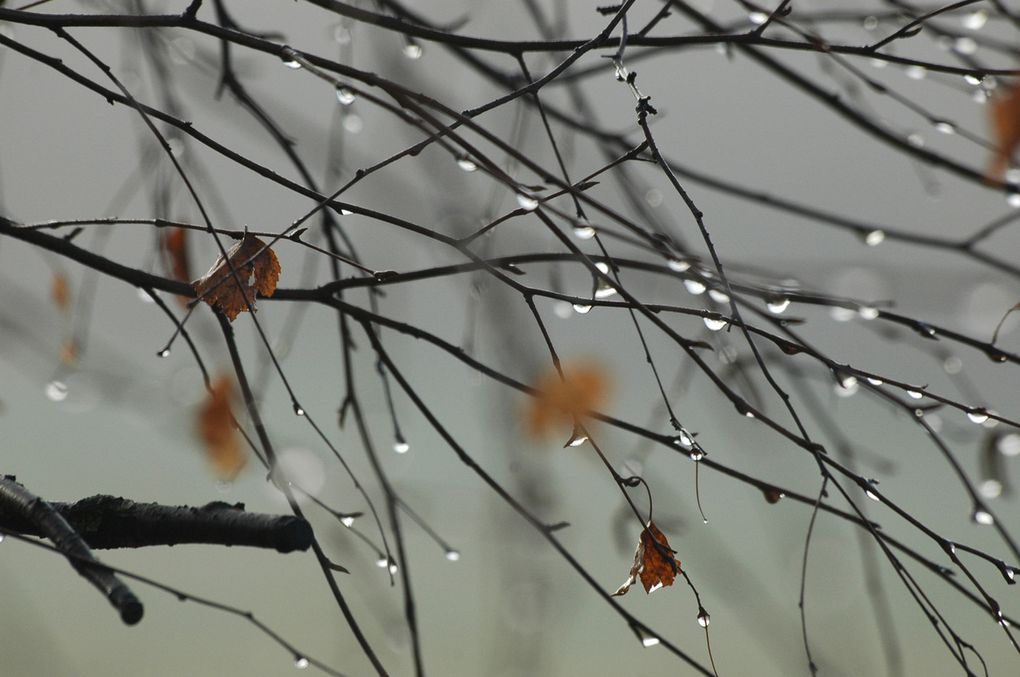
pixel 46 521
pixel 112 522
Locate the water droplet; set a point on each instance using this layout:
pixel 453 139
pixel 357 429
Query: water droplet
pixel 952 364
pixel 381 562
pixel 683 440
pixel 718 296
pixel 870 23
pixel 452 555
pixel 2 537
pixel 694 287
pixel 1010 573
pixel 678 265
pixel 841 314
pixel 873 238
pixel 972 80
pixel 714 323
pixel 950 547
pixel 163 353
pixel 413 51
pixel 696 454
pixel 915 72
pixel 878 63
pixel 974 21
pixel 344 96
pixel 583 230
pixel 965 45
pixel 648 641
pixel 867 312
pixel 401 446
pixel 353 123
pixel 758 18
pixel 703 618
pixel 602 267
pixel 874 381
pixel 990 488
pixel 1013 199
pixel 915 140
pixel 577 438
pixel 871 494
pixel 977 415
pixel 56 391
pixel 1009 444
pixel 393 568
pixel 581 309
pixel 604 290
pixel 466 164
pixel 298 411
pixel 527 202
pixel 657 586
pixel 915 394
pixel 996 356
pixel 982 517
pixel 291 63
pixel 347 521
pixel 341 35
pixel 846 386
pixel 778 305
pixel 300 662
pixel 653 197
pixel 144 297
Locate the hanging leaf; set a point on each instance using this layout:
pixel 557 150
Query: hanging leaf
pixel 60 292
pixel 215 426
pixel 1004 118
pixel 562 402
pixel 258 270
pixel 654 562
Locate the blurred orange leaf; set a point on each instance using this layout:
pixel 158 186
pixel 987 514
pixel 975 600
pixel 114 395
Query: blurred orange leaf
pixel 1004 118
pixel 259 275
pixel 562 402
pixel 215 426
pixel 175 244
pixel 654 562
pixel 60 292
pixel 69 352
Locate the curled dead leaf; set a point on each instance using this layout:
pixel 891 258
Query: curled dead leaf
pixel 215 426
pixel 563 402
pixel 258 271
pixel 654 562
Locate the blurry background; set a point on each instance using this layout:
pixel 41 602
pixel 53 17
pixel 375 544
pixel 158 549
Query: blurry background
pixel 510 605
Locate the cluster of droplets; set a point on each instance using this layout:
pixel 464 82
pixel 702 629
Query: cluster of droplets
pixel 384 562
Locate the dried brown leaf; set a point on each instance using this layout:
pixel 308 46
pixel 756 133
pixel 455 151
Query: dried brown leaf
pixel 654 562
pixel 257 268
pixel 215 426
